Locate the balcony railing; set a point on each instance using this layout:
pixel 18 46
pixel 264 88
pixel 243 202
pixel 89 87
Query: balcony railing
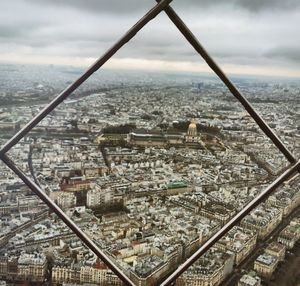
pixel 161 6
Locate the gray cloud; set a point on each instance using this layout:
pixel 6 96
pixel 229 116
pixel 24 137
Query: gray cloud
pixel 237 32
pixel 99 6
pixel 291 54
pixel 257 5
pixel 131 6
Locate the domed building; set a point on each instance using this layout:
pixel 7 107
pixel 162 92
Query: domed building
pixel 167 138
pixel 192 130
pixel 192 133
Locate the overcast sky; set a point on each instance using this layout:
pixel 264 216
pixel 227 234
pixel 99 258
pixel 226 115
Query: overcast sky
pixel 244 36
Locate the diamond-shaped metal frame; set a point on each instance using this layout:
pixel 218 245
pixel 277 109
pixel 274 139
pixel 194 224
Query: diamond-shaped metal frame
pixel 162 5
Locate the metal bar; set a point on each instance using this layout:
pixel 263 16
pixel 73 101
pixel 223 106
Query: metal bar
pixel 81 235
pixel 190 37
pixel 64 94
pixel 236 219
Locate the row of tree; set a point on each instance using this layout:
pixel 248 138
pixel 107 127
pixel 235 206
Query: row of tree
pixel 119 129
pixel 183 126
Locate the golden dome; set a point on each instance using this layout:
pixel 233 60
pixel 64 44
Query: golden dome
pixel 192 130
pixel 193 124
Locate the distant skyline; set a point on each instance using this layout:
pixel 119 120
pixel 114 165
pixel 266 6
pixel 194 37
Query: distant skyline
pixel 245 37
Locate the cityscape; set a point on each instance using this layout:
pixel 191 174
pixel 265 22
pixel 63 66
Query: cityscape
pixel 149 165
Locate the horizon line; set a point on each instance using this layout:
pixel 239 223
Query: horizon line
pixel 209 73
